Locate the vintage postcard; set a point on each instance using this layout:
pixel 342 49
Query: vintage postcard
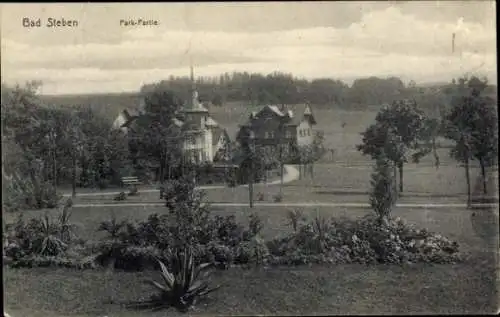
pixel 249 158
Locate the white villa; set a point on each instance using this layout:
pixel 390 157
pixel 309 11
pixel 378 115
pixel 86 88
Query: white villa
pixel 203 138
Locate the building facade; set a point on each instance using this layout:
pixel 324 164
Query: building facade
pixel 290 126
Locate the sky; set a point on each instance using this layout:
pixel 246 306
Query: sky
pixel 341 40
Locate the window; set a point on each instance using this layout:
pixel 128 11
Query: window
pixel 271 134
pixel 288 134
pixel 266 135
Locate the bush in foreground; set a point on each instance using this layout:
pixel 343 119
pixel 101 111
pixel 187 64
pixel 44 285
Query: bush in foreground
pixel 45 241
pixel 362 241
pixel 219 240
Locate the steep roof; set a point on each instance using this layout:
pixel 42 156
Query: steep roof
pixel 211 122
pixel 295 112
pixel 298 112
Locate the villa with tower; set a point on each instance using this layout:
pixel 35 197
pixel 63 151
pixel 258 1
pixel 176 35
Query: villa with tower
pixel 203 139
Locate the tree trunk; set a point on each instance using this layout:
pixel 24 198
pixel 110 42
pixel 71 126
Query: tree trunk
pixel 162 172
pixel 282 169
pixel 250 185
pixel 400 167
pixel 436 156
pixel 467 178
pixel 54 167
pixel 73 183
pixel 483 174
pixel 36 187
pixel 395 172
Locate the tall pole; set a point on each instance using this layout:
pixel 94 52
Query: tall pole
pixel 250 157
pixel 73 157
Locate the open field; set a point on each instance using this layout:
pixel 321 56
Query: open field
pixel 343 289
pixel 337 183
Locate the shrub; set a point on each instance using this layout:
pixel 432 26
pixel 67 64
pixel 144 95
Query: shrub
pixel 38 238
pixel 255 225
pixel 278 198
pixel 113 227
pixel 253 251
pixel 225 230
pixel 189 224
pixel 46 196
pixel 219 254
pixel 362 240
pixel 183 284
pixel 133 191
pixel 260 197
pixel 134 246
pixel 120 196
pixel 13 198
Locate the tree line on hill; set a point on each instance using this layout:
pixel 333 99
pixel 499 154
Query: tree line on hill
pixel 277 88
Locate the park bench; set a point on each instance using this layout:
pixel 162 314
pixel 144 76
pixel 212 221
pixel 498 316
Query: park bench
pixel 132 181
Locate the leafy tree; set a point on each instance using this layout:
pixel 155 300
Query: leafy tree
pixel 217 100
pixel 155 137
pixel 473 126
pixel 400 132
pixel 24 127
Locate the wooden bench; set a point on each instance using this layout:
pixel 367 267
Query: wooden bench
pixel 131 181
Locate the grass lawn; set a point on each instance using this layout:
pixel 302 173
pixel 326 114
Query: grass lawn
pixel 337 183
pixel 343 289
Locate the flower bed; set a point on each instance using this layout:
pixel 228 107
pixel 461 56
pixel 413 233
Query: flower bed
pixel 365 240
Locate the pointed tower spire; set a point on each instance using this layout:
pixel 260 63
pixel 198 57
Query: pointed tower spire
pixel 194 93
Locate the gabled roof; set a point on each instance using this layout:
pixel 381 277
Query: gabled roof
pixel 299 111
pixel 295 113
pixel 211 122
pixel 275 109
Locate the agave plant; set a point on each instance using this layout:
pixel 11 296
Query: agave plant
pixel 47 236
pixel 112 226
pixel 184 284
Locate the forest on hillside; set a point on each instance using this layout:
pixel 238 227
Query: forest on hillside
pixel 277 88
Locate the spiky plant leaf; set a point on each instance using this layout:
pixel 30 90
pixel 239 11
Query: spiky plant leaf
pixel 167 276
pixel 157 285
